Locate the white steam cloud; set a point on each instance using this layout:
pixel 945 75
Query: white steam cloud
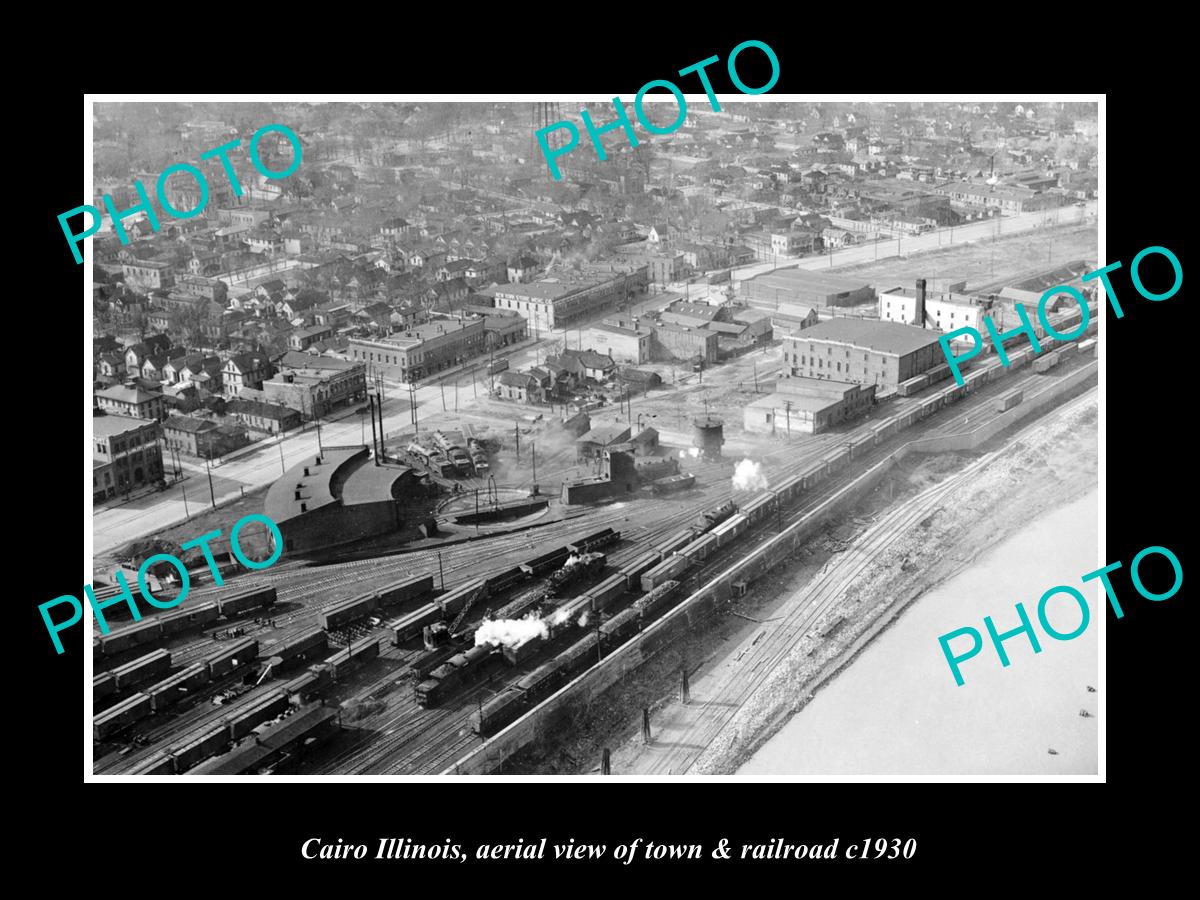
pixel 583 620
pixel 693 452
pixel 511 632
pixel 748 476
pixel 560 616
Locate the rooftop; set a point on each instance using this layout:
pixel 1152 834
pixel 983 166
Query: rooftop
pixel 112 426
pixel 805 280
pixel 883 337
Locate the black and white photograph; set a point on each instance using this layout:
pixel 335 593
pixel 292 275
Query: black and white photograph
pixel 745 435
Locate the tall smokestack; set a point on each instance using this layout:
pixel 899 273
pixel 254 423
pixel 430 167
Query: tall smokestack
pixel 920 303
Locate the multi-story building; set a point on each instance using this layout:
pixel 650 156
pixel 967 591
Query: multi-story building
pixel 626 345
pixel 314 385
pixel 148 274
pixel 423 349
pixel 807 406
pixel 126 455
pixel 130 400
pixel 687 342
pixel 246 370
pixel 946 311
pixel 569 297
pixel 862 351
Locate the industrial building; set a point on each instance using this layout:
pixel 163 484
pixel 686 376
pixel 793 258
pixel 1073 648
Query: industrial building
pixel 568 297
pixel 944 311
pixel 807 406
pixel 687 342
pixel 126 455
pixel 862 351
pixel 424 349
pixel 806 288
pixel 625 345
pixel 618 475
pixel 340 496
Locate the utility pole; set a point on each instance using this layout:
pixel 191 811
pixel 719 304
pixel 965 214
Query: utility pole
pixel 279 444
pixel 211 492
pixel 755 378
pixel 646 739
pixel 684 692
pixel 185 506
pixel 533 456
pixel 517 436
pixel 787 406
pixel 442 389
pixel 441 574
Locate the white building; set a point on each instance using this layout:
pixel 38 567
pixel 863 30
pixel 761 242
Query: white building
pixel 945 311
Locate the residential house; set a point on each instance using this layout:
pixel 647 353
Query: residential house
pixel 245 370
pixel 130 400
pixel 271 418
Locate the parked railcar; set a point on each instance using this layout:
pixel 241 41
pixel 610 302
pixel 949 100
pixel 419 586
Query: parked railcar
pixel 731 529
pixel 696 551
pixel 595 541
pixel 404 590
pixel 1007 401
pixel 618 628
pixel 452 602
pixel 657 600
pixel 634 570
pixel 174 688
pixel 1045 363
pixel 196 750
pixel 303 646
pixel 1068 350
pixel 789 489
pixel 676 542
pixel 579 656
pixel 189 617
pixel 142 669
pixel 147 631
pixel 499 712
pixel 442 681
pixel 430 660
pixel 666 570
pixel 160 763
pixel 541 682
pixel 103 685
pixel 411 624
pixel 250 598
pixel 119 717
pixel 547 562
pixel 354 655
pixel 348 611
pixel 263 710
pixel 310 684
pixel 1087 346
pixel 505 580
pixel 759 508
pixel 237 656
pixel 606 592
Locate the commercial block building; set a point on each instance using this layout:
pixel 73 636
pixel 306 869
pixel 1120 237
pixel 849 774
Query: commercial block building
pixel 686 342
pixel 626 345
pixel 862 351
pixel 126 455
pixel 569 297
pixel 315 385
pixel 424 349
pixel 944 311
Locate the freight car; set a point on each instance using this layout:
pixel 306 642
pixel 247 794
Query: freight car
pixel 170 691
pixel 1045 363
pixel 759 508
pixel 191 752
pixel 499 711
pixel 240 654
pixel 411 624
pixel 148 631
pixel 430 660
pixel 460 670
pixel 698 550
pixel 912 385
pixel 618 628
pixel 160 763
pixel 604 538
pixel 344 661
pixel 547 562
pixel 677 541
pixel 254 597
pixel 303 646
pixel 606 592
pixel 189 617
pixel 667 570
pixel 264 709
pixel 309 685
pixel 505 580
pixel 1086 347
pixel 657 600
pixel 1007 401
pixel 634 570
pixel 142 669
pixel 731 529
pixel 103 685
pixel 119 717
pixel 541 682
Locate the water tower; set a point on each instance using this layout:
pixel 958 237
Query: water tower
pixel 708 436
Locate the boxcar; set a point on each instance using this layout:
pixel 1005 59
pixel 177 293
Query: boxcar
pixel 606 592
pixel 697 550
pixel 103 685
pixel 263 710
pixel 453 601
pixel 619 627
pixel 190 617
pixel 1009 400
pixel 1045 363
pixel 665 571
pixel 676 542
pixel 505 580
pixel 498 712
pixel 352 656
pixel 240 654
pixel 302 646
pixel 147 631
pixel 170 691
pixel 348 611
pixel 731 529
pixel 633 571
pixel 1068 350
pixel 142 669
pixel 120 717
pixel 201 748
pixel 407 589
pixel 1087 346
pixel 594 541
pixel 410 625
pixel 251 598
pixel 758 507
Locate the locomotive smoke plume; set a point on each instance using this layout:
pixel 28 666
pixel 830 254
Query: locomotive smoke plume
pixel 571 560
pixel 693 452
pixel 583 620
pixel 511 632
pixel 560 616
pixel 748 476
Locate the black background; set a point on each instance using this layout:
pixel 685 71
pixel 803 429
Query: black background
pixel 968 834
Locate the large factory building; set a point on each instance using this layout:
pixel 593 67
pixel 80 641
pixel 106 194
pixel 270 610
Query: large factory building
pixel 338 497
pixel 862 351
pixel 804 288
pixel 807 406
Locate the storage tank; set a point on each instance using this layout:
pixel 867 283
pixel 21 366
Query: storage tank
pixel 709 435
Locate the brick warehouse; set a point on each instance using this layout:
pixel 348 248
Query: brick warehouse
pixel 862 351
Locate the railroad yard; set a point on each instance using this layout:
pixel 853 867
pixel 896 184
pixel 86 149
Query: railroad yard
pixel 383 728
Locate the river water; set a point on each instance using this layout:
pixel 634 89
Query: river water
pixel 896 710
